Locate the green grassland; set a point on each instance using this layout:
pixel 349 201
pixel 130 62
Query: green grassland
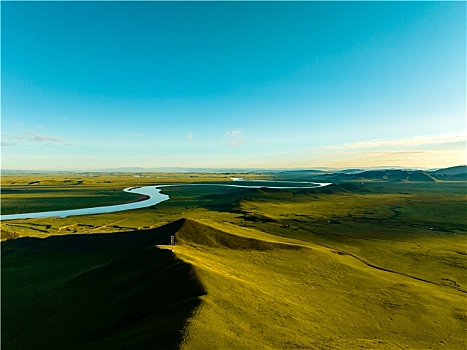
pixel 367 265
pixel 34 193
pixel 280 294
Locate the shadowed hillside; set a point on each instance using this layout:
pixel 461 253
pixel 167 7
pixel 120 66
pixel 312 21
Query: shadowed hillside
pixel 384 175
pixel 107 291
pixel 454 170
pixel 456 173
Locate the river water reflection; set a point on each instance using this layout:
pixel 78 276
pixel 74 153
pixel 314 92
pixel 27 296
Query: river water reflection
pixel 155 197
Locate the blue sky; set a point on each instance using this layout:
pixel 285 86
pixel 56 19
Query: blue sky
pixel 92 85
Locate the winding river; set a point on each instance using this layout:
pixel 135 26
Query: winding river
pixel 154 197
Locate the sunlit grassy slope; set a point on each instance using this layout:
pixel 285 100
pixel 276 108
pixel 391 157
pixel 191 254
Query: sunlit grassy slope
pixel 256 290
pixel 272 293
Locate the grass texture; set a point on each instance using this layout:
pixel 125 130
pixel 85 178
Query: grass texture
pixel 376 265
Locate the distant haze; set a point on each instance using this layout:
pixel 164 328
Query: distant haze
pixel 102 85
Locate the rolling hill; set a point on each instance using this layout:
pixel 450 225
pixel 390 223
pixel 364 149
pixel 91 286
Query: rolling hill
pixel 456 173
pixel 223 287
pixel 386 175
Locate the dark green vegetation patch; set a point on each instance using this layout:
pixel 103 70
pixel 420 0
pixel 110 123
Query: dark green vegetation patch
pixel 109 291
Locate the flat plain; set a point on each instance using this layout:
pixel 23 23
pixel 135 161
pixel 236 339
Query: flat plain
pixel 360 264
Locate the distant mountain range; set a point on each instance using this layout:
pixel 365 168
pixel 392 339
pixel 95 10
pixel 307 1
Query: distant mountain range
pixel 456 173
pixel 395 174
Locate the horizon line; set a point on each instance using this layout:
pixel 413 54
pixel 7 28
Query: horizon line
pixel 221 169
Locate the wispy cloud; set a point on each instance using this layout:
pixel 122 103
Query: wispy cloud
pixel 235 138
pixel 413 141
pixel 11 137
pixel 30 136
pixel 8 143
pixel 45 138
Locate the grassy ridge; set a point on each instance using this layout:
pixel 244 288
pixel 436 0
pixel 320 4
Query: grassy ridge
pixel 256 290
pixel 422 234
pixel 308 297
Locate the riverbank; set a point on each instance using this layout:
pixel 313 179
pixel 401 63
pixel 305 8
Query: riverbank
pixel 150 195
